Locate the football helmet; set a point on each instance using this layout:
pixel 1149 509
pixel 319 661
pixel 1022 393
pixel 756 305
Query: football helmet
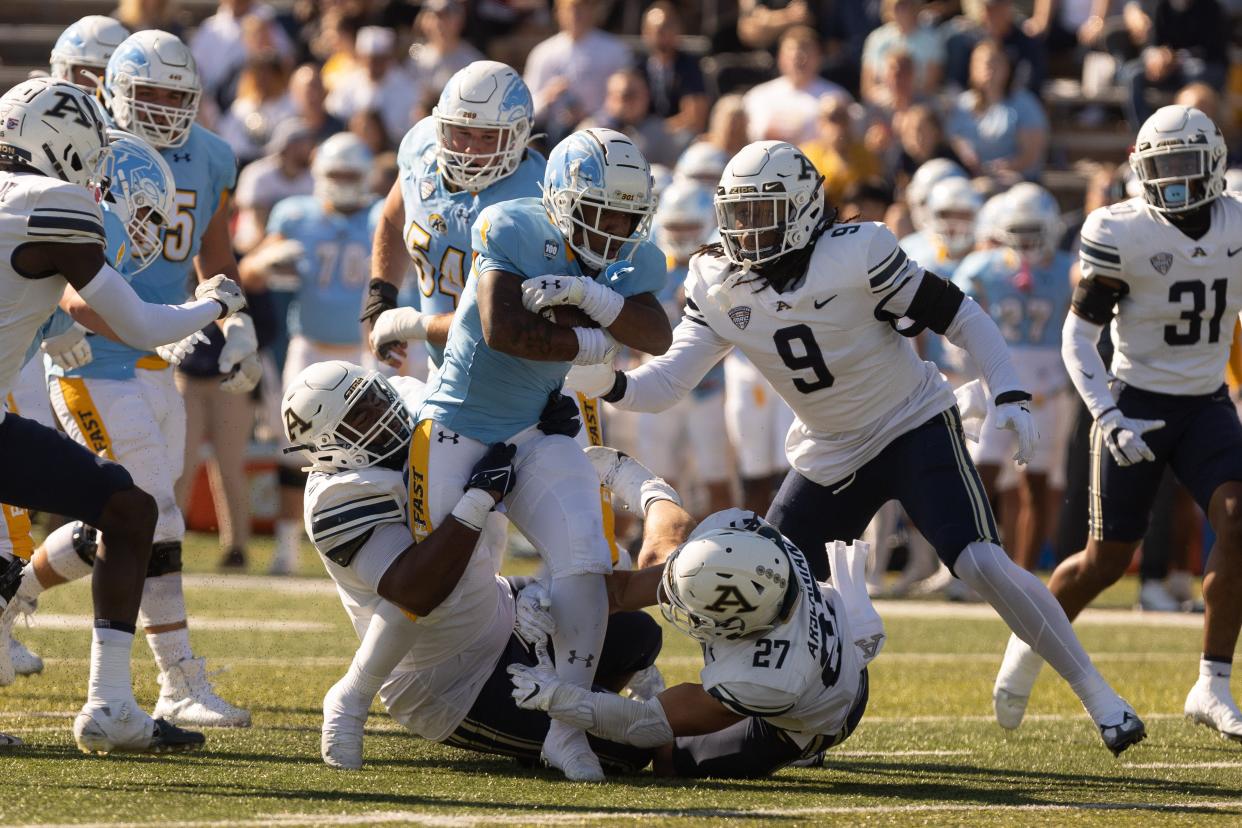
pixel 153 63
pixel 987 221
pixel 57 129
pixel 597 191
pixel 86 44
pixel 343 416
pixel 728 583
pixel 951 210
pixel 340 170
pixel 1029 221
pixel 702 163
pixel 484 95
pixel 1179 157
pixel 921 183
pixel 684 220
pixel 141 195
pixel 769 202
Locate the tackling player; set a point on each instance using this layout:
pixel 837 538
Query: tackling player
pixel 1162 268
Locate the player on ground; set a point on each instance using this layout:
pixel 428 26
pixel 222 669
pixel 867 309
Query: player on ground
pixel 1164 264
pixel 54 155
pixel 817 305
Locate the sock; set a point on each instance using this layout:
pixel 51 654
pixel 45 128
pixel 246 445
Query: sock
pixel 580 609
pixel 163 603
pixel 62 557
pixel 1214 668
pixel 288 539
pixel 1034 615
pixel 387 640
pixel 110 679
pixel 1019 668
pixel 30 588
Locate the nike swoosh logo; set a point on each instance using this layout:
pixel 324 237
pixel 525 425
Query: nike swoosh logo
pixel 1091 376
pixel 819 305
pixel 1234 252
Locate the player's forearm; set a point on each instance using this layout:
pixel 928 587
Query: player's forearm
pixel 389 259
pixel 429 570
pixel 612 717
pixel 974 332
pixel 510 328
pixel 643 326
pixel 438 329
pixel 86 316
pixel 660 383
pixel 1080 352
pixel 141 324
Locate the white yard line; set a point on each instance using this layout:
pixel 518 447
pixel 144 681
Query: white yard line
pixel 53 621
pixel 983 612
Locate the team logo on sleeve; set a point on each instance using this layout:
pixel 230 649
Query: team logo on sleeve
pixel 426 186
pixel 550 249
pixel 740 316
pixel 1162 262
pixel 438 224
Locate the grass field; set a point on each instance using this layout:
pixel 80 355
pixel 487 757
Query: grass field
pixel 927 751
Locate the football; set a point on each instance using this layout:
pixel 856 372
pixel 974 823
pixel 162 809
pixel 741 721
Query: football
pixel 568 316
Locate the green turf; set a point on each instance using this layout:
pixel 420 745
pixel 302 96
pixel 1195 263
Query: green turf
pixel 930 694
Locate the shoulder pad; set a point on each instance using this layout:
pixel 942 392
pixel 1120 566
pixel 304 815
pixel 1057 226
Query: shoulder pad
pixel 64 212
pixel 340 507
pixel 417 140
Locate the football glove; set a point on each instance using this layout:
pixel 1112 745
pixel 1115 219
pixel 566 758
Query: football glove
pixel 70 349
pixel 494 471
pixel 603 304
pixel 1124 436
pixel 591 380
pixel 175 352
pixel 244 378
pixel 240 341
pixel 534 685
pixel 560 416
pixel 222 289
pixel 1015 416
pixel 395 328
pixel 535 624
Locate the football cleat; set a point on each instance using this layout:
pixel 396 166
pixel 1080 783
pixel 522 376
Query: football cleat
pixel 25 662
pixel 121 727
pixel 1010 708
pixel 1154 596
pixel 1129 731
pixel 8 742
pixel 566 749
pixel 187 698
pixel 1210 704
pixel 631 481
pixel 344 717
pixel 8 672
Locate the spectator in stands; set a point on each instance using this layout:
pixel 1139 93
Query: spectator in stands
pixel 139 15
pixel 896 93
pixel 218 47
pixel 442 51
pixel 678 93
pixel 994 20
pixel 378 83
pixel 761 23
pixel 1189 42
pixel 1125 38
pixel 567 73
pixel 368 124
pixel 848 25
pixel 262 102
pixel 921 138
pixel 627 109
pixel 838 153
pixel 334 45
pixel 1066 26
pixel 785 108
pixel 729 129
pixel 996 128
pixel 308 96
pixel 869 201
pixel 283 172
pixel 902 32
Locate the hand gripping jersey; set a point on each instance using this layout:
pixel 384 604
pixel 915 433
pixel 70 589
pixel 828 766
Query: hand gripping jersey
pixel 1174 326
pixel 204 170
pixel 335 269
pixel 34 208
pixel 438 220
pixel 488 395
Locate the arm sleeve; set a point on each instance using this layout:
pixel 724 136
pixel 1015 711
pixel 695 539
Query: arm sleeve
pixel 1079 341
pixel 974 332
pixel 663 381
pixel 141 324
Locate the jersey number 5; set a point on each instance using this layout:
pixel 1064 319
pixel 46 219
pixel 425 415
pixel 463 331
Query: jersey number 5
pixel 1193 316
pixel 810 358
pixel 179 235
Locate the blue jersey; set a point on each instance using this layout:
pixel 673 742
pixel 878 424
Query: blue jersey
pixel 335 269
pixel 1028 304
pixel 58 323
pixel 204 170
pixel 488 395
pixel 438 220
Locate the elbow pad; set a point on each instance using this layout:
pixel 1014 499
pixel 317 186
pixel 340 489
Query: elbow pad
pixel 935 303
pixel 1094 302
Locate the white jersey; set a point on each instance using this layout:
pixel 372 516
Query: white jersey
pixel 1174 326
pixel 33 209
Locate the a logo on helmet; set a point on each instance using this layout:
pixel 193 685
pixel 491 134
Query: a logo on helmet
pixel 1162 262
pixel 295 425
pixel 740 317
pixel 728 597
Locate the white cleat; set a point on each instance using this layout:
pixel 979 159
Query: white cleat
pixel 187 698
pixel 1154 596
pixel 25 662
pixel 340 741
pixel 123 727
pixel 567 750
pixel 646 684
pixel 1010 708
pixel 1014 681
pixel 622 474
pixel 1210 704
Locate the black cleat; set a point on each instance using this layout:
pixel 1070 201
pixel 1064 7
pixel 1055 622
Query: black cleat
pixel 168 738
pixel 1129 731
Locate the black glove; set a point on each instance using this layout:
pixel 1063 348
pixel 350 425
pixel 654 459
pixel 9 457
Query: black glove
pixel 560 416
pixel 381 296
pixel 494 471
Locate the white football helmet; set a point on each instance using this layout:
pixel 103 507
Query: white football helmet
pixel 153 63
pixel 921 184
pixel 87 44
pixel 769 202
pixel 951 211
pixel 728 583
pixel 340 169
pixel 343 416
pixel 142 194
pixel 1179 156
pixel 484 95
pixel 987 222
pixel 1029 221
pixel 56 128
pixel 593 173
pixel 702 163
pixel 685 220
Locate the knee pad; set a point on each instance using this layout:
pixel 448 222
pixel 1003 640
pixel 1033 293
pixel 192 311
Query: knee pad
pixel 291 477
pixel 165 559
pixel 85 542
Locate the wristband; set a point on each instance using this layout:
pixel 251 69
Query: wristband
pixel 1012 397
pixel 592 345
pixel 473 507
pixel 619 385
pixel 381 296
pixel 603 304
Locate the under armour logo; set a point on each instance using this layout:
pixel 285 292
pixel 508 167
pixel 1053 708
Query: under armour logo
pixel 555 285
pixel 441 437
pixel 587 659
pixel 181 156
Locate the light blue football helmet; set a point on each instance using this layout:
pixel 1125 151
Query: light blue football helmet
pixel 484 95
pixel 1030 222
pixel 86 44
pixel 141 198
pixel 591 176
pixel 685 219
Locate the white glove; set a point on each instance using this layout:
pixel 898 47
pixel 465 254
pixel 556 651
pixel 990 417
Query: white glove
pixel 175 352
pixel 535 624
pixel 223 290
pixel 240 341
pixel 281 255
pixel 1016 417
pixel 603 304
pixel 972 405
pixel 591 380
pixel 244 378
pixel 398 325
pixel 70 349
pixel 534 686
pixel 1124 437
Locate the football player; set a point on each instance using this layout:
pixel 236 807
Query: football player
pixel 124 403
pixel 81 53
pixel 1162 268
pixel 55 155
pixel 435 621
pixel 948 232
pixel 825 311
pixel 1025 287
pixel 327 237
